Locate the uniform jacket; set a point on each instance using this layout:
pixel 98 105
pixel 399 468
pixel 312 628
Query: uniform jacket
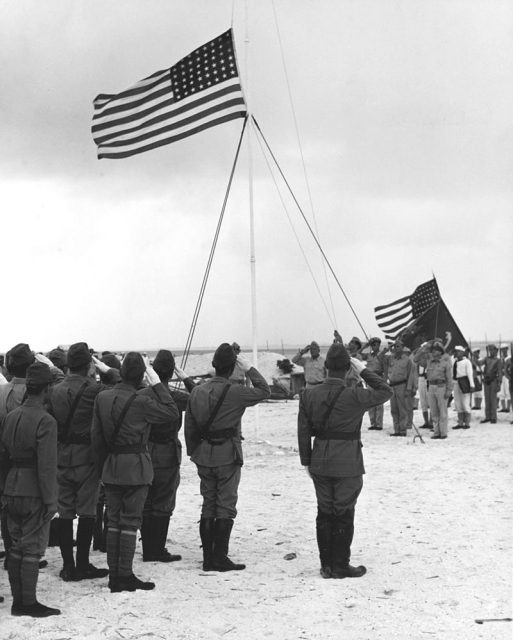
pixel 29 433
pixel 164 444
pixel 402 369
pixel 491 369
pixel 337 458
pixel 439 372
pixel 13 394
pixel 74 444
pixel 128 468
pixel 202 401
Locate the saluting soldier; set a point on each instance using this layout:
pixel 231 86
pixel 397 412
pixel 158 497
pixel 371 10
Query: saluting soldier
pixel 166 455
pixel 121 428
pixel 377 362
pixel 213 439
pixel 28 459
pixel 72 404
pixel 332 413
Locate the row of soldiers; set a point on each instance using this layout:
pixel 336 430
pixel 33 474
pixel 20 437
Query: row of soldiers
pixel 430 370
pixel 67 434
pixel 64 436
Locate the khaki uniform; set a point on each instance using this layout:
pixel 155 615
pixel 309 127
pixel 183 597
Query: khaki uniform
pixel 401 377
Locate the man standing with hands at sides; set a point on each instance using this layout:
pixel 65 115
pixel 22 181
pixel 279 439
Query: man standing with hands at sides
pixel 463 377
pixel 121 428
pixel 439 380
pixel 314 366
pixel 401 377
pixel 213 438
pixel 28 460
pixel 332 413
pixel 377 362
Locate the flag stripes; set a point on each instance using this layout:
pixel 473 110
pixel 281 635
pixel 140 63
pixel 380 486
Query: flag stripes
pixel 395 317
pixel 202 90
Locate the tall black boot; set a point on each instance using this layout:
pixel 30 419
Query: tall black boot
pixel 126 580
pixel 161 527
pixel 220 559
pixel 84 569
pixel 53 538
pixel 206 529
pixel 323 529
pixel 98 537
pixel 67 572
pixel 14 569
pixel 341 538
pixel 6 536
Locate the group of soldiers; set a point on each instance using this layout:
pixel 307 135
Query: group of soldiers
pixel 89 424
pixel 432 373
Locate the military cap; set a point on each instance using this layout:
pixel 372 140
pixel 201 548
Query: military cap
pixel 19 356
pixel 439 346
pixel 78 355
pixel 337 358
pixel 133 366
pixel 314 344
pixel 375 340
pixel 58 357
pixel 357 341
pixel 492 346
pixel 38 374
pixel 111 361
pixel 459 348
pixel 224 357
pixel 164 363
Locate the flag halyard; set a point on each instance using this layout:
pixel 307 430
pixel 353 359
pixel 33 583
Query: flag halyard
pixel 201 91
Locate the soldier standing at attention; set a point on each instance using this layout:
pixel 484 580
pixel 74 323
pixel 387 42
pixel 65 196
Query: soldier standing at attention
pixel 121 428
pixel 213 438
pixel 72 404
pixel 401 377
pixel 28 459
pixel 491 383
pixel 376 362
pixel 166 455
pixel 332 413
pixel 315 370
pixel 439 380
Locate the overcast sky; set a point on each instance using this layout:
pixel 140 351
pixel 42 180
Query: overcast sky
pixel 404 111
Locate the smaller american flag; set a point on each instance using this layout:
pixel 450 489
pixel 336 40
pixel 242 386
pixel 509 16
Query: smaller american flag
pixel 394 317
pixel 200 91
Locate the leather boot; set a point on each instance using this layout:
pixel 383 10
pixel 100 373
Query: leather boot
pixel 14 570
pixel 206 530
pixel 220 559
pixel 477 403
pixel 341 538
pixel 53 539
pixel 323 530
pixel 98 533
pixel 158 552
pixel 84 570
pixel 29 606
pixel 65 534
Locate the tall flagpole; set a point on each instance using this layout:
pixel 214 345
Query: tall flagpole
pixel 252 257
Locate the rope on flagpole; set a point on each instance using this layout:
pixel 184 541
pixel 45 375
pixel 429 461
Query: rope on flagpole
pixel 309 227
pixel 212 252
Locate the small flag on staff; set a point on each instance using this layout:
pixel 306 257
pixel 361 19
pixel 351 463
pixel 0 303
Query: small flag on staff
pixel 394 317
pixel 200 91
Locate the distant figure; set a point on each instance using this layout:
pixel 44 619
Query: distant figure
pixel 439 378
pixel 59 358
pixel 213 438
pixel 377 363
pixel 504 396
pixel 491 382
pixel 28 463
pixel 401 377
pixel 332 414
pixel 313 365
pixel 463 377
pixel 478 380
pixel 422 388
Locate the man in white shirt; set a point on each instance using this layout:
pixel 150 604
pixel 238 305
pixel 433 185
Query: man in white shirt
pixel 463 376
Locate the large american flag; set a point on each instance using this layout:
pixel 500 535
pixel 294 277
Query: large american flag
pixel 394 317
pixel 200 91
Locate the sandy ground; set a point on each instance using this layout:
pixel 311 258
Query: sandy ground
pixel 433 527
